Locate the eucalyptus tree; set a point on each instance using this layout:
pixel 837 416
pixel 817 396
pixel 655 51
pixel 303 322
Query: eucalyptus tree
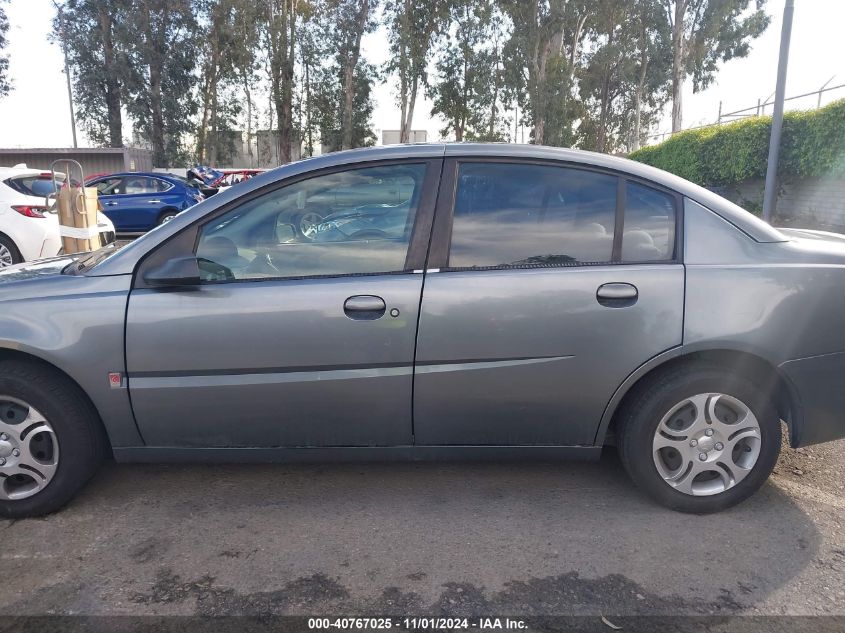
pixel 5 84
pixel 162 51
pixel 705 33
pixel 352 19
pixel 281 21
pixel 217 20
pixel 99 44
pixel 468 85
pixel 542 54
pixel 624 79
pixel 412 28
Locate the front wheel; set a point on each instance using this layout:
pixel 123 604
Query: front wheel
pixel 51 440
pixel 699 439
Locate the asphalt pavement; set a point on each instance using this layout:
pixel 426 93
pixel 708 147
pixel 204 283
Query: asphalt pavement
pixel 458 538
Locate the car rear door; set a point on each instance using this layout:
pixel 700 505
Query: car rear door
pixel 292 339
pixel 173 196
pixel 141 202
pixel 547 285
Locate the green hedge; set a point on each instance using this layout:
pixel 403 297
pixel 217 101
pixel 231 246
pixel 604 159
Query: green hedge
pixel 813 145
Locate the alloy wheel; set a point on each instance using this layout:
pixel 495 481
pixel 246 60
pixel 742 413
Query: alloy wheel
pixel 5 256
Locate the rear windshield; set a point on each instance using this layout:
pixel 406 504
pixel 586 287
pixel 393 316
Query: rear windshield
pixel 34 185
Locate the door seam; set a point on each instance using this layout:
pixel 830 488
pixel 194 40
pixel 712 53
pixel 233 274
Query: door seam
pixel 420 305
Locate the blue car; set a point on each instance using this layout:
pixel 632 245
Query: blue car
pixel 140 201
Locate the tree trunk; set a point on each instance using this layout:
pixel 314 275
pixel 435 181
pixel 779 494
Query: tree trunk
pixel 113 99
pixel 349 74
pixel 309 144
pixel 248 95
pixel 409 114
pixel 282 44
pixel 601 141
pixel 638 101
pixel 159 152
pixel 202 129
pixel 215 140
pixel 679 55
pixel 214 81
pixel 155 66
pixel 405 65
pixel 286 113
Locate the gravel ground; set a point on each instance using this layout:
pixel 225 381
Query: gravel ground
pixel 461 538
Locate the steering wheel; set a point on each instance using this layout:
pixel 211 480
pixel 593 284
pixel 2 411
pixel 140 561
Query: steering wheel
pixel 307 224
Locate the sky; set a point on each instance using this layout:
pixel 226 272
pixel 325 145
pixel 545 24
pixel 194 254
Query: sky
pixel 36 113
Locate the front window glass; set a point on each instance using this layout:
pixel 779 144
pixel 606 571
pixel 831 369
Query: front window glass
pixel 109 186
pixel 350 222
pixel 522 215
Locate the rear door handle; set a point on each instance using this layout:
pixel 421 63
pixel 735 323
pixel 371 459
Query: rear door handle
pixel 364 307
pixel 617 295
pixel 154 201
pixel 111 204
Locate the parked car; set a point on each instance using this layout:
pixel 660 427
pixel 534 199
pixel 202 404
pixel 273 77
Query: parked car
pixel 28 229
pixel 451 301
pixel 231 177
pixel 137 202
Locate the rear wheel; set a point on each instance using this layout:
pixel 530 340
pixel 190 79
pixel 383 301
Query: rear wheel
pixel 699 439
pixel 51 440
pixel 166 217
pixel 9 253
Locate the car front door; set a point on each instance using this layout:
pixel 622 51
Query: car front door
pixel 110 193
pixel 294 338
pixel 547 286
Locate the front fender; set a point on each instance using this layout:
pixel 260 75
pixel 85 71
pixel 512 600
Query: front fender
pixel 76 324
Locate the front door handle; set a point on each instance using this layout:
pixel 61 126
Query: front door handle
pixel 111 204
pixel 617 295
pixel 364 307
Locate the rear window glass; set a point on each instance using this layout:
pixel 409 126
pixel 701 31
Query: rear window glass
pixel 529 215
pixel 649 233
pixel 40 186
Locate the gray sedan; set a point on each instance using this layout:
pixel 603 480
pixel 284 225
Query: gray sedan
pixel 429 302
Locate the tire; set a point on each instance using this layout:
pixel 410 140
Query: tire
pixel 27 389
pixel 8 251
pixel 732 473
pixel 165 217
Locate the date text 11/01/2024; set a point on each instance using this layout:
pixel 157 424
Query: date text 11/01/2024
pixel 417 624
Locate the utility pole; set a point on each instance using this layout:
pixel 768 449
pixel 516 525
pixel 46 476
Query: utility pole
pixel 770 193
pixel 67 71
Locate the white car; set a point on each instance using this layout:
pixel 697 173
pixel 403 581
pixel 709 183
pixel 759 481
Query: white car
pixel 28 230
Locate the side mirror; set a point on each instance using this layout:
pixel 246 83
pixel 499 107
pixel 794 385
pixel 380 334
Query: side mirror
pixel 176 272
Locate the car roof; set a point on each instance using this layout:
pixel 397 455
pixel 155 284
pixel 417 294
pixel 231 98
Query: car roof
pixel 22 171
pixel 141 174
pixel 124 260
